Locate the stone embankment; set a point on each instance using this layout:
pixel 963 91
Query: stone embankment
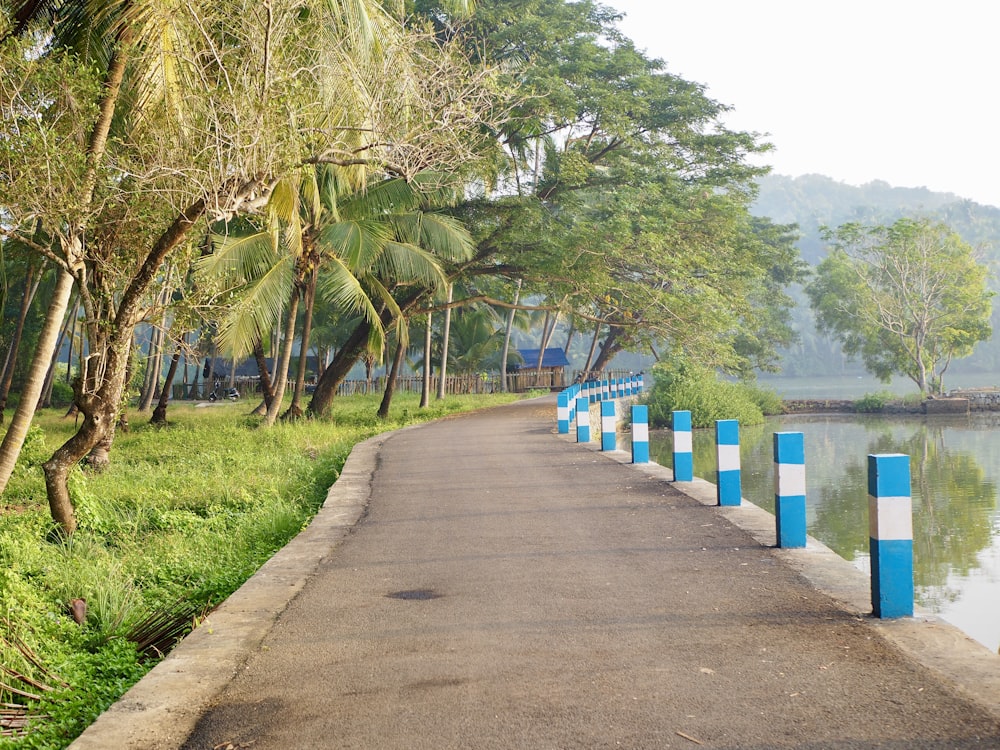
pixel 956 402
pixel 980 399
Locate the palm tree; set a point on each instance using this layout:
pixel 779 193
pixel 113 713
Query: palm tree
pixel 148 65
pixel 349 246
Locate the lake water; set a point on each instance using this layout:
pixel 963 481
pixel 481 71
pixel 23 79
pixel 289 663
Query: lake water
pixel 955 473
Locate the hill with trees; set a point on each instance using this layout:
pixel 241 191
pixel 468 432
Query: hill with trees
pixel 813 201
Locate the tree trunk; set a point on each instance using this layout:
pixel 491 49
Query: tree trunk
pixel 154 360
pixel 593 350
pixel 609 348
pixel 10 449
pixel 547 330
pixel 286 358
pixel 569 337
pixel 338 369
pixel 50 374
pixel 425 391
pixel 390 381
pixel 444 344
pixel 72 340
pixel 160 412
pixel 58 467
pixel 347 357
pixel 31 282
pixel 266 387
pixel 210 377
pixel 506 339
pixel 295 408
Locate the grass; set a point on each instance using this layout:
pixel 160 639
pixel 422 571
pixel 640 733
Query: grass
pixel 184 515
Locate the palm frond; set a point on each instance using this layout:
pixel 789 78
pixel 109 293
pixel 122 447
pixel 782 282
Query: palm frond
pixel 356 243
pixel 444 235
pixel 257 308
pixel 240 257
pixel 284 200
pixel 341 288
pixel 405 263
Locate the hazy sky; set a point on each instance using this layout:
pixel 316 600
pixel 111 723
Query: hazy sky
pixel 904 91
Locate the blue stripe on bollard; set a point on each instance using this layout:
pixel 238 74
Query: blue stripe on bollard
pixel 890 531
pixel 729 489
pixel 683 446
pixel 640 434
pixel 562 412
pixel 608 426
pixel 790 489
pixel 583 420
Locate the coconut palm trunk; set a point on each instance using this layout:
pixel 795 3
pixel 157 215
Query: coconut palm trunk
pixel 286 357
pixel 10 449
pixel 390 381
pixel 295 408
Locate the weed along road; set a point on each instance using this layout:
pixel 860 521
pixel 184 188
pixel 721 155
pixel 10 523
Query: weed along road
pixel 508 588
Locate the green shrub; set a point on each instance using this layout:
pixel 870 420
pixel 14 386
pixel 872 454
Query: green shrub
pixel 686 386
pixel 62 394
pixel 768 400
pixel 871 403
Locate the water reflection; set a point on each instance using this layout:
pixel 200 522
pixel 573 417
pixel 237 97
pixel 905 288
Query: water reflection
pixel 954 470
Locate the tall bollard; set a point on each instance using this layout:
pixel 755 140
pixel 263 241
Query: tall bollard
pixel 562 412
pixel 640 434
pixel 890 528
pixel 727 451
pixel 683 446
pixel 608 426
pixel 583 420
pixel 790 489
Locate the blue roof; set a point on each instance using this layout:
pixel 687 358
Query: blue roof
pixel 553 357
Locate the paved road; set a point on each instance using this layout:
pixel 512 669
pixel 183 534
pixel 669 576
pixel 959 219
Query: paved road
pixel 507 588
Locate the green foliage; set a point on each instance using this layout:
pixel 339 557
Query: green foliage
pixel 872 403
pixel 906 299
pixel 814 201
pixel 62 394
pixel 767 399
pixel 682 385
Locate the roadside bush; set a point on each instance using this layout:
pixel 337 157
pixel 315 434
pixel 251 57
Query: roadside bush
pixel 872 403
pixel 686 386
pixel 62 394
pixel 769 401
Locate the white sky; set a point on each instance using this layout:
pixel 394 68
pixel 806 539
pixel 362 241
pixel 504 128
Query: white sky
pixel 904 91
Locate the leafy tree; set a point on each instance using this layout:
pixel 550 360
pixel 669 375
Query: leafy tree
pixel 629 206
pixel 906 298
pixel 138 121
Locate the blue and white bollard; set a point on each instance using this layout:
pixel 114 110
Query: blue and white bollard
pixel 562 412
pixel 890 530
pixel 608 426
pixel 640 434
pixel 583 420
pixel 728 487
pixel 683 446
pixel 605 390
pixel 790 489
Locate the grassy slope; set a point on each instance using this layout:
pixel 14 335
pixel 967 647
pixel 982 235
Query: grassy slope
pixel 188 511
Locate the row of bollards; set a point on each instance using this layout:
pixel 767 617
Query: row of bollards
pixel 889 494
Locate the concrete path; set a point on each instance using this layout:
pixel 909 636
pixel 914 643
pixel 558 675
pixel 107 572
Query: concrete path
pixel 505 587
